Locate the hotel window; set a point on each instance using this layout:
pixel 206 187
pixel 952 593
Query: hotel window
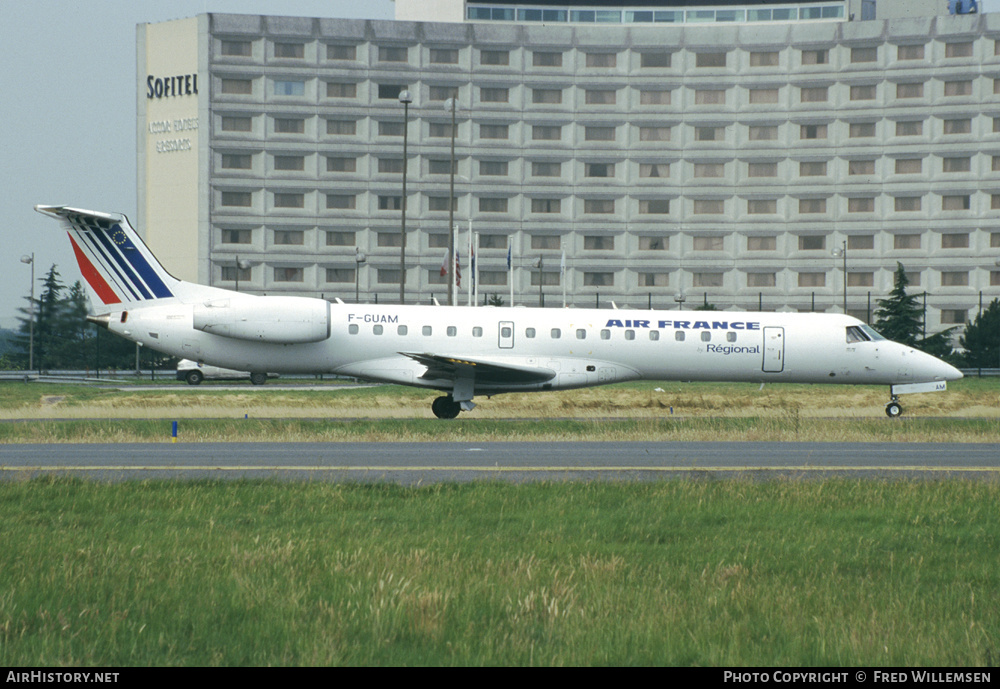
pixel 599 133
pixel 815 57
pixel 598 243
pixel 994 278
pixel 546 59
pixel 444 56
pixel 289 125
pixel 910 52
pixel 861 242
pixel 288 274
pixel 231 274
pixel 390 203
pixel 441 93
pixel 340 274
pixel 910 90
pixel 236 161
pixel 710 60
pixel 861 279
pixel 237 87
pixel 812 243
pixel 654 97
pixel 709 206
pixel 546 278
pixel 602 60
pixel 958 49
pixel 284 87
pixel 389 239
pixel 286 200
pixel 654 60
pixel 906 241
pixel 958 88
pixel 440 203
pixel 546 96
pixel 706 279
pixel 764 59
pixel 962 164
pixel 812 279
pixel 492 205
pixel 598 279
pixel 906 204
pixel 864 92
pixel 390 128
pixel 709 133
pixel 437 241
pixel 494 58
pixel 909 166
pixel 762 169
pixel 654 133
pixel 494 278
pixel 386 276
pixel 341 164
pixel 763 133
pixel 601 96
pixel 654 207
pixel 237 198
pixel 340 239
pixel 709 170
pixel 815 94
pixel 956 203
pixel 545 205
pixel 648 170
pixel 710 96
pixel 545 242
pixel 392 54
pixel 958 126
pixel 654 280
pixel 958 316
pixel 599 206
pixel 547 132
pixel 955 278
pixel 599 170
pixel 865 204
pixel 341 127
pixel 807 206
pixel 341 201
pixel 289 237
pixel 762 243
pixel 441 167
pixel 763 96
pixel 493 131
pixel 493 168
pixel 439 130
pixel 237 49
pixel 708 243
pixel 762 206
pixel 237 124
pixel 955 240
pixel 237 236
pixel 546 169
pixel 652 243
pixel 812 169
pixel 910 128
pixel 390 91
pixel 290 163
pixel 341 90
pixel 290 51
pixel 390 165
pixel 864 54
pixel 861 167
pixel 813 131
pixel 494 95
pixel 862 130
pixel 761 279
pixel 341 52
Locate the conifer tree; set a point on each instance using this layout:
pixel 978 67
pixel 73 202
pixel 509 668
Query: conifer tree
pixel 981 339
pixel 899 318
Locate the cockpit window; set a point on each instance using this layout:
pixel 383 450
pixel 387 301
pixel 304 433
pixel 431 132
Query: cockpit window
pixel 871 333
pixel 862 333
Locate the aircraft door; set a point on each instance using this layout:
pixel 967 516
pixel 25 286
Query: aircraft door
pixel 774 350
pixel 506 337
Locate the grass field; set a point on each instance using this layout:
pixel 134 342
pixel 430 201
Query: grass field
pixel 677 573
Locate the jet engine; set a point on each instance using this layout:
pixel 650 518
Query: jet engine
pixel 278 320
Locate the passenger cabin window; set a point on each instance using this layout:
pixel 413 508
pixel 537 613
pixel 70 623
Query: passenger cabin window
pixel 679 335
pixel 452 331
pixel 377 329
pixel 654 335
pixel 706 336
pixel 401 330
pixel 605 334
pixel 427 330
pixel 477 331
pixel 581 334
pixel 629 334
pixel 353 329
pixel 506 331
pixel 730 337
pixel 529 332
pixel 556 333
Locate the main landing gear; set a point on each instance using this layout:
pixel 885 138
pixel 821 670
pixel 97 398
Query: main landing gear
pixel 894 408
pixel 446 407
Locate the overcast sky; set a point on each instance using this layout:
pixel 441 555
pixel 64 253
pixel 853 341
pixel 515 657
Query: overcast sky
pixel 67 115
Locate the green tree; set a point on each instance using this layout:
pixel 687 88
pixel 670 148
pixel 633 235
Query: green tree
pixel 495 300
pixel 900 317
pixel 981 339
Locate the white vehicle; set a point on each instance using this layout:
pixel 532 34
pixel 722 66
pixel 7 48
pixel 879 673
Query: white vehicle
pixel 194 373
pixel 465 351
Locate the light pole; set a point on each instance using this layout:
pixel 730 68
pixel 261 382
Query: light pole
pixel 31 311
pixel 359 258
pixel 405 98
pixel 842 252
pixel 451 103
pixel 240 265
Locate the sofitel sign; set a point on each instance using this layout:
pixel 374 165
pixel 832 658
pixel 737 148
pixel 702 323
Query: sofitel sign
pixel 166 87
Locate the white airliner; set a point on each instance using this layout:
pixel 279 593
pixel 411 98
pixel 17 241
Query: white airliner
pixel 464 351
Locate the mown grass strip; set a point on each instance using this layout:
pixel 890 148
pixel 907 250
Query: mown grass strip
pixel 833 572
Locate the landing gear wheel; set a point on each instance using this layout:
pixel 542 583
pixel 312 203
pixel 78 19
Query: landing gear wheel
pixel 445 407
pixel 893 409
pixel 194 377
pixel 258 378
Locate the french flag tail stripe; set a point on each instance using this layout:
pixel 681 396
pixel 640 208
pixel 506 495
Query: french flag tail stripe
pixel 93 276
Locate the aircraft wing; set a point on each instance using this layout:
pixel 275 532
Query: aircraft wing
pixel 453 368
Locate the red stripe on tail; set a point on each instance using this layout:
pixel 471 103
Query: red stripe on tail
pixel 93 278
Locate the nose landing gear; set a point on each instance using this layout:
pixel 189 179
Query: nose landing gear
pixel 893 409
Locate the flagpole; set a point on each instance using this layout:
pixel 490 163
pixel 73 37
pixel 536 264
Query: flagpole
pixel 562 276
pixel 472 263
pixel 453 290
pixel 510 268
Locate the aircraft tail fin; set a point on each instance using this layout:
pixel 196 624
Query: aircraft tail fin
pixel 117 265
